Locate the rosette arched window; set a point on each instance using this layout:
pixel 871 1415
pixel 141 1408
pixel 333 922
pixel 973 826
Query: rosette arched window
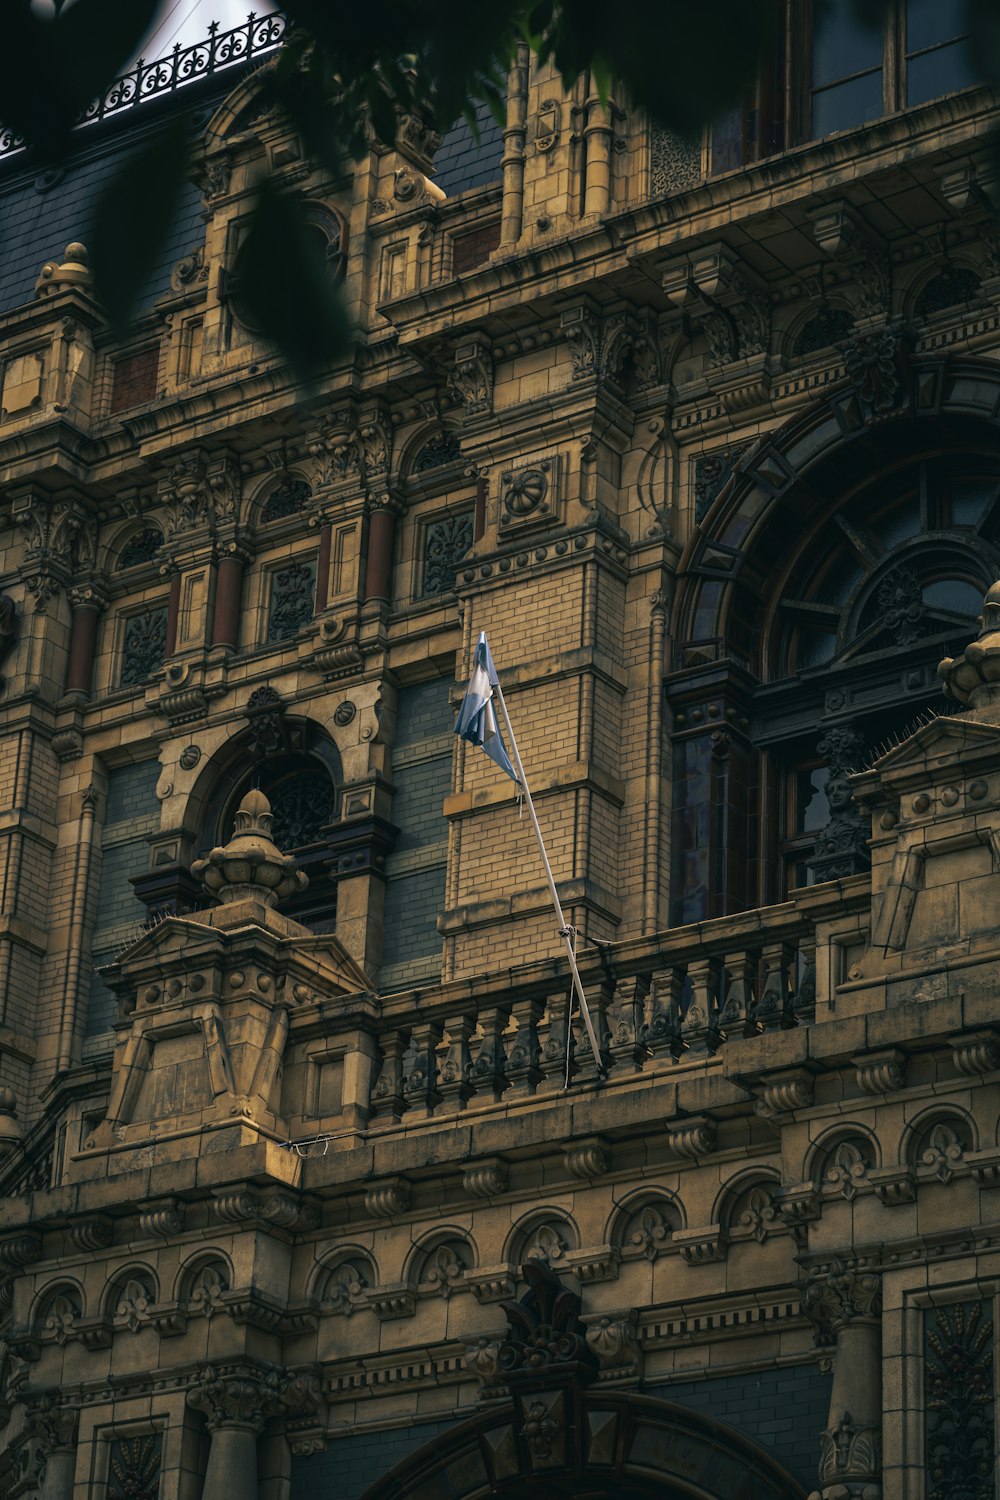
pixel 298 769
pixel 839 563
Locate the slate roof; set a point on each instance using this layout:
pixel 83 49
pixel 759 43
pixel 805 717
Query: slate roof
pixel 39 217
pixel 462 162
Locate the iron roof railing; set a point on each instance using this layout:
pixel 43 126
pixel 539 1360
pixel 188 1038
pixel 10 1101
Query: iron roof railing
pixel 253 38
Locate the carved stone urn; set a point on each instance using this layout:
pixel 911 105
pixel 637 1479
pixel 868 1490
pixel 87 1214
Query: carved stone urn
pixel 251 866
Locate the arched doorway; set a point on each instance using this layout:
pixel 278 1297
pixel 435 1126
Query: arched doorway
pixel 598 1446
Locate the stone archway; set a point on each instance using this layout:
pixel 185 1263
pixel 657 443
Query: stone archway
pixel 603 1446
pixel 559 1435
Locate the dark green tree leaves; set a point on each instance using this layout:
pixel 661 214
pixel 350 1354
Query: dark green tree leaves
pixel 133 219
pixel 52 67
pixel 286 289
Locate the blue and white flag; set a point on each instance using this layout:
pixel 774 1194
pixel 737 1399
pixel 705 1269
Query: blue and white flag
pixel 476 721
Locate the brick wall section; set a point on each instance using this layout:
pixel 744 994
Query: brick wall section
pixel 415 871
pixel 351 1464
pixel 468 250
pixel 783 1410
pixel 132 813
pixel 134 378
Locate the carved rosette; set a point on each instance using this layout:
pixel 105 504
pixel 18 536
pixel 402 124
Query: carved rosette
pixel 615 1341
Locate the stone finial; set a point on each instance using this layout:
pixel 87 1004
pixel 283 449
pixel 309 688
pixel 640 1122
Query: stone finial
pixel 10 1130
pixel 974 676
pixel 250 867
pixel 73 272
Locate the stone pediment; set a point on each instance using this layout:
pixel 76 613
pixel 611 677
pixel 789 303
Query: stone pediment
pixel 943 746
pixel 240 932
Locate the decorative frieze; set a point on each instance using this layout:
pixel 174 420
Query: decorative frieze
pixel 291 601
pixel 959 1401
pixel 144 642
pixel 446 541
pixel 471 381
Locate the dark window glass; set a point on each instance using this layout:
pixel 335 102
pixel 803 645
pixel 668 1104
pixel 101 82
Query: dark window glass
pixel 954 595
pixel 841 45
pixel 969 499
pixel 811 807
pixel 847 104
pixel 937 52
pixel 941 71
pixel 846 68
pixel 930 22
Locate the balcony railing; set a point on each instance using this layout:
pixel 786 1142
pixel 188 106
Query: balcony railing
pixel 656 1002
pixel 253 38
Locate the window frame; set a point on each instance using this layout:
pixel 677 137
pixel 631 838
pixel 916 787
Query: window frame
pixel 795 54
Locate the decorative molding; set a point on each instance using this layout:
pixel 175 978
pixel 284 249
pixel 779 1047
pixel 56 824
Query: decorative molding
pixel 700 1247
pixel 587 1159
pixel 880 1073
pixel 485 1179
pixel 383 1200
pixel 784 1093
pixel 976 1052
pixel 615 1341
pixel 492 1283
pixel 691 1137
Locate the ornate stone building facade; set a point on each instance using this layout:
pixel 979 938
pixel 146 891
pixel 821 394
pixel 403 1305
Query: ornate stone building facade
pixel 295 1200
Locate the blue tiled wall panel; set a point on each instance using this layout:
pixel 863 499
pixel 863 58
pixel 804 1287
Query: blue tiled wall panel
pixel 412 903
pixel 783 1411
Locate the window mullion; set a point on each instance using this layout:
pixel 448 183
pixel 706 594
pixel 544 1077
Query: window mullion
pixel 894 55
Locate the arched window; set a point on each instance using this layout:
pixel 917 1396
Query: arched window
pixel 841 563
pixel 298 769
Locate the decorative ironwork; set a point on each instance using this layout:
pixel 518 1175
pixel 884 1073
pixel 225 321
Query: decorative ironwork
pixel 952 285
pixel 253 38
pixel 442 449
pixel 289 498
pixel 958 1398
pixel 142 547
pixel 144 645
pixel 830 326
pixel 300 807
pixel 445 544
pixel 674 162
pixel 293 589
pixel 134 1467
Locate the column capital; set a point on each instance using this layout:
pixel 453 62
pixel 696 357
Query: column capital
pixel 237 1395
pixel 838 1295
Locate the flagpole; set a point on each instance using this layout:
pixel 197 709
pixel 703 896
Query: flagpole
pixel 564 931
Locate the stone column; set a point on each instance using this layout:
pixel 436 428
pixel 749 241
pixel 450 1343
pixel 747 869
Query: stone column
pixel 597 134
pixel 53 1431
pixel 381 535
pixel 173 612
pixel 87 604
pixel 323 567
pixel 237 1401
pixel 228 597
pixel 845 1304
pixel 514 136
